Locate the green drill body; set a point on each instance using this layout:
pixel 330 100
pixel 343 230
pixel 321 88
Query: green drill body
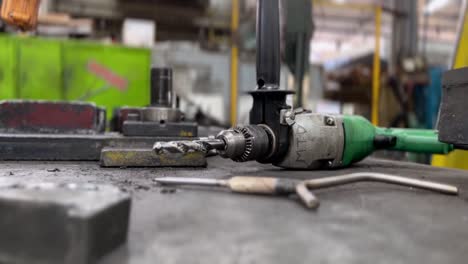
pixel 360 140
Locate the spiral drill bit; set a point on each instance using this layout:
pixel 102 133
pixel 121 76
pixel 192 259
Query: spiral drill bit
pixel 204 145
pixel 240 144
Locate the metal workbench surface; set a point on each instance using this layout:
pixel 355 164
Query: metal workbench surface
pixel 359 223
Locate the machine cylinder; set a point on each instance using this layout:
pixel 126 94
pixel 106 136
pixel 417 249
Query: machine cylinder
pixel 161 87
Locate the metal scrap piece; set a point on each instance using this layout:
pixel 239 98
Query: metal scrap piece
pixel 60 223
pixel 146 157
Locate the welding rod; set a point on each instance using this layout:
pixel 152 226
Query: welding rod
pixel 252 185
pixel 280 186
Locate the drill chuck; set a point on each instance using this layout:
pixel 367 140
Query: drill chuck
pixel 246 143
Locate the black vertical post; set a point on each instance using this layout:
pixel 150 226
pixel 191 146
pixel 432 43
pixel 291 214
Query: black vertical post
pixel 268 99
pixel 268 44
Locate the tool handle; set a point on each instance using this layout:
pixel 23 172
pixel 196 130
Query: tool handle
pixel 257 185
pixel 263 185
pixel 416 140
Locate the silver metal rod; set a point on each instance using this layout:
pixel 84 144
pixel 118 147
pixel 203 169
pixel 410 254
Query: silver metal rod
pixel 191 181
pixel 307 197
pixel 377 177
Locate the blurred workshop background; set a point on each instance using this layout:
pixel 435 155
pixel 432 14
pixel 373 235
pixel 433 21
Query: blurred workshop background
pixel 380 59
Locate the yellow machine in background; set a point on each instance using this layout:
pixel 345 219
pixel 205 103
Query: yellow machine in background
pixel 457 159
pixel 20 13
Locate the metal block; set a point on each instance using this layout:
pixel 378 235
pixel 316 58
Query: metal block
pixel 60 223
pixel 114 157
pixel 123 114
pixel 18 116
pixel 68 147
pixel 157 129
pixel 452 126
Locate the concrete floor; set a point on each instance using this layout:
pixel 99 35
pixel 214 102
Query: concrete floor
pixel 360 223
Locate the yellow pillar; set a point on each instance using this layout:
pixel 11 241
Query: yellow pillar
pixel 376 68
pixel 234 61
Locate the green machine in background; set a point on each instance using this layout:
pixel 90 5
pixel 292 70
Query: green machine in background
pixel 45 69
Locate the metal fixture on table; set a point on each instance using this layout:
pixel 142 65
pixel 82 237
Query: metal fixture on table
pixel 160 119
pixel 76 131
pixel 61 131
